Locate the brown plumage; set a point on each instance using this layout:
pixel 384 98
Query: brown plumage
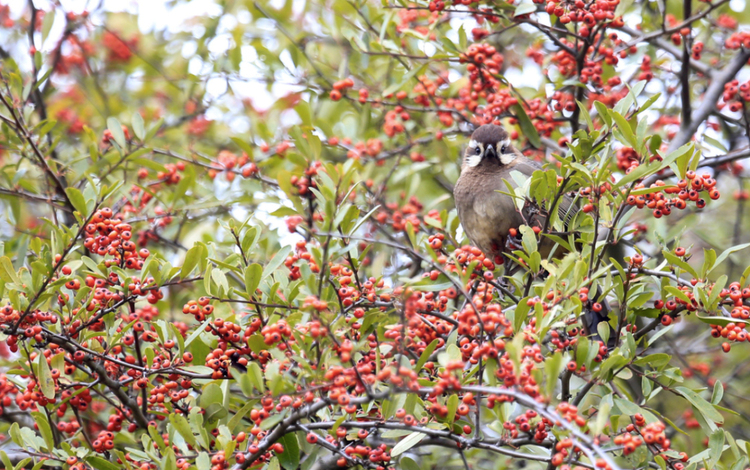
pixel 485 214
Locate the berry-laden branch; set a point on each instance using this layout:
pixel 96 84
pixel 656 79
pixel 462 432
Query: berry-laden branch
pixel 277 276
pixel 710 98
pixel 101 373
pixel 21 129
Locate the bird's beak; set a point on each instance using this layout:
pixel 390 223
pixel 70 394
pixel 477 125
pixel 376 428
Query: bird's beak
pixel 490 150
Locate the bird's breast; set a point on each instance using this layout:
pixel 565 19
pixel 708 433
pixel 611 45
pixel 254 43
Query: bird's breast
pixel 486 215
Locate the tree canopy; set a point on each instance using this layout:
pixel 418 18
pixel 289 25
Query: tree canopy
pixel 228 237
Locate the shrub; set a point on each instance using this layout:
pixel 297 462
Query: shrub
pixel 229 241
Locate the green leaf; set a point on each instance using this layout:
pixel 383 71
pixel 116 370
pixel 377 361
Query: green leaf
pixel 628 407
pixel 528 128
pixel 192 257
pixel 604 330
pixel 77 200
pixel 215 411
pixel 197 332
pixel 363 219
pixel 552 368
pixel 168 460
pixel 704 407
pixel 237 418
pixel 138 127
pixel 115 128
pixel 654 143
pixel 276 261
pixel 253 275
pixel 625 128
pixel 44 428
pixel 528 239
pixel 715 446
pixel 304 113
pixel 725 254
pixel 273 420
pixel 15 434
pixel 256 343
pixel 709 257
pixel 585 115
pixel 524 9
pixel 407 443
pixel 253 370
pixel 407 463
pixel 101 463
pixel 452 407
pixel 7 271
pixel 203 462
pixel 716 289
pixel 718 393
pixel 4 456
pixel 46 382
pixel 603 113
pixel 289 459
pixel 425 356
pixel 211 394
pixel 582 351
pixel 183 427
pixel 674 260
pixel 721 321
pixel 654 360
pixel 520 314
pixel 218 276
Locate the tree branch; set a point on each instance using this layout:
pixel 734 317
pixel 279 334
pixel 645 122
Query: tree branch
pixel 714 91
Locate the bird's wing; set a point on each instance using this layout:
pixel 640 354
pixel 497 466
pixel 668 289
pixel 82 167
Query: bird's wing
pixel 566 208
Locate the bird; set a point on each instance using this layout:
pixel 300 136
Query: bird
pixel 487 215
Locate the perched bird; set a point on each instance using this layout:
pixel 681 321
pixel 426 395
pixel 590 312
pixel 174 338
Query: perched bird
pixel 487 215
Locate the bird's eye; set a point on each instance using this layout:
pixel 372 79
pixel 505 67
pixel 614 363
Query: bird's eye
pixel 502 149
pixel 478 151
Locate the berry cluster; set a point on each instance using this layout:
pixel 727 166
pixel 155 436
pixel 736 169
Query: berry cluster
pixel 300 253
pixel 107 137
pixel 341 86
pixel 736 95
pixel 228 161
pixel 118 50
pixel 687 189
pixel 198 126
pixel 737 40
pixel 627 159
pixel 171 175
pixel 394 121
pixel 198 308
pixel 305 182
pixel 397 217
pixel 69 117
pixel 106 234
pixel 363 149
pixel 414 20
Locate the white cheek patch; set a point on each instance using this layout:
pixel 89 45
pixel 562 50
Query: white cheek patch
pixel 473 160
pixel 506 158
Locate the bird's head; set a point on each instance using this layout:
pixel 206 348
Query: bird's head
pixel 489 143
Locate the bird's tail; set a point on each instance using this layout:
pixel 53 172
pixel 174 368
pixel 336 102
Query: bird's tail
pixel 591 319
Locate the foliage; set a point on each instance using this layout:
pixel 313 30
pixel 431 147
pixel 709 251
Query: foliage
pixel 229 241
